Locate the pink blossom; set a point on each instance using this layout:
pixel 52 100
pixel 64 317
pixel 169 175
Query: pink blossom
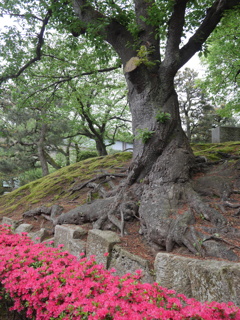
pixel 48 283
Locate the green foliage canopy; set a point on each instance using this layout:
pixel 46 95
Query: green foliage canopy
pixel 223 63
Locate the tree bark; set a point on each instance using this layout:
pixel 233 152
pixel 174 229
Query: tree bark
pixel 162 164
pixel 41 153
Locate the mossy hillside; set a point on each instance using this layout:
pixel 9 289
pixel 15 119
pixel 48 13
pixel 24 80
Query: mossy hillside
pixel 216 151
pixel 58 184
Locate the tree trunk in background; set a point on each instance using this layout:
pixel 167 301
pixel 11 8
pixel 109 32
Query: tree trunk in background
pixel 41 153
pixel 101 148
pixel 51 161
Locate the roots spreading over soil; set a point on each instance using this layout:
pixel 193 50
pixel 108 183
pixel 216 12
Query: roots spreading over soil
pixel 169 211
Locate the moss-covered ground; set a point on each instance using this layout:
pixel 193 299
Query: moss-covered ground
pixel 56 186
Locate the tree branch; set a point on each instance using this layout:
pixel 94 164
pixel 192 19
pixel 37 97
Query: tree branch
pixel 212 18
pixel 111 30
pixel 63 79
pixel 24 16
pixel 148 33
pixel 38 50
pixel 175 29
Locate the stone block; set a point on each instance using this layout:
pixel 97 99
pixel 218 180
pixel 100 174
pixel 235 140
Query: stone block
pixel 126 262
pixel 11 222
pixel 65 232
pixel 76 247
pixel 39 235
pixel 24 227
pixel 204 280
pixel 100 242
pixel 223 134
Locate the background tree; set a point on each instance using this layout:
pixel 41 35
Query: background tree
pixel 100 109
pixel 222 60
pixel 192 102
pixel 80 88
pixel 197 114
pixel 29 134
pixel 149 38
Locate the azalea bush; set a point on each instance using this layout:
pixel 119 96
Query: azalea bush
pixel 48 284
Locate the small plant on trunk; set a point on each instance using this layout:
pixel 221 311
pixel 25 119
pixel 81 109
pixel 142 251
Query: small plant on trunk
pixel 162 117
pixel 144 134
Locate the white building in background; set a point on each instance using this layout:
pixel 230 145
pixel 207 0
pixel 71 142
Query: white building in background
pixel 122 146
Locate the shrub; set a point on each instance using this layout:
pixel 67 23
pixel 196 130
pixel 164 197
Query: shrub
pixel 83 155
pixel 29 176
pixel 49 284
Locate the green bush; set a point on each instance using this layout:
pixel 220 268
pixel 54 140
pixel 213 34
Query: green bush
pixel 83 155
pixel 29 176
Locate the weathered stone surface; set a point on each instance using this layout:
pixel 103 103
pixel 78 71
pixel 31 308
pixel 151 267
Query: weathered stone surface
pixel 213 185
pixel 63 234
pixel 39 236
pixel 24 227
pixel 222 134
pixel 100 242
pixel 11 222
pixel 76 247
pixel 204 280
pixel 126 262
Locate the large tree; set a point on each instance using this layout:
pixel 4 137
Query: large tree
pixel 150 38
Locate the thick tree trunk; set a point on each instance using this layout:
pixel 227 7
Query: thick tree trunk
pixel 162 164
pixel 160 173
pixel 155 109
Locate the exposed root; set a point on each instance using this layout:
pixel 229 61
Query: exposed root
pixel 106 176
pixel 231 205
pixel 181 232
pixel 96 188
pixel 218 238
pixel 200 208
pixel 159 195
pixel 49 213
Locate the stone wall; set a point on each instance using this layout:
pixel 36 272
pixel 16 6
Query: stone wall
pixel 204 280
pixel 224 134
